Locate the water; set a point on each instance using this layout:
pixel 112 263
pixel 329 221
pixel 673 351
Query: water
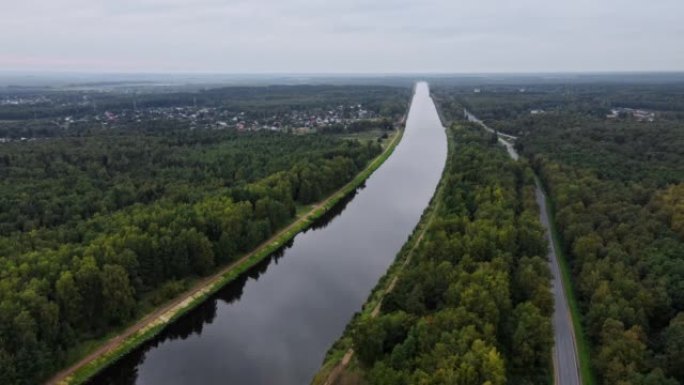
pixel 274 325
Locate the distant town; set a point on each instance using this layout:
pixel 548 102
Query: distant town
pixel 25 115
pixel 211 117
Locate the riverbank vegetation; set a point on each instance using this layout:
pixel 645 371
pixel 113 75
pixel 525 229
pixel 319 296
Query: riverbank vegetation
pixel 610 157
pixel 98 230
pixel 473 304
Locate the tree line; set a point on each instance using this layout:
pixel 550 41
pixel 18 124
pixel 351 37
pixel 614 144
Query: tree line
pixel 473 305
pixel 617 190
pixel 98 230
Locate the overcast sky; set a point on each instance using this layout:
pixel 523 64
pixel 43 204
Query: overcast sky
pixel 349 36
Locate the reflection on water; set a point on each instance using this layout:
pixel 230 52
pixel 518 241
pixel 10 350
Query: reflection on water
pixel 126 370
pixel 274 324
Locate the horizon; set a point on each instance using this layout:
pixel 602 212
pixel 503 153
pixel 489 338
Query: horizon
pixel 340 73
pixel 314 36
pixel 114 80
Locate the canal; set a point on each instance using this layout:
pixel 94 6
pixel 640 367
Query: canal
pixel 274 325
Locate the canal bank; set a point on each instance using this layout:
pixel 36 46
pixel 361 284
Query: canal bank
pixel 152 324
pixel 274 326
pixel 340 356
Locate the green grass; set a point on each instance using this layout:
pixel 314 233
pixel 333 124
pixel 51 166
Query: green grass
pixel 303 210
pixel 582 342
pixel 86 372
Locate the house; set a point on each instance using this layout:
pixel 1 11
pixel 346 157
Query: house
pixel 110 116
pixel 640 115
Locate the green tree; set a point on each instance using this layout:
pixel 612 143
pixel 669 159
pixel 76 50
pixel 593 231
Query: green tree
pixel 69 298
pixel 532 338
pixel 674 347
pixel 117 293
pixel 622 354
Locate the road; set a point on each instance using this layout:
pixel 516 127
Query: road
pixel 505 139
pixel 565 357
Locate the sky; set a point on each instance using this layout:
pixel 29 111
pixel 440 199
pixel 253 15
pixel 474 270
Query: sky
pixel 344 36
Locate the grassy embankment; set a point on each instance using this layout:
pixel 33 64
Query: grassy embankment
pixel 344 343
pixel 586 372
pixel 196 296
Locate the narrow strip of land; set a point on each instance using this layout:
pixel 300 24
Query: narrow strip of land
pixel 565 357
pixel 334 375
pixel 342 365
pixel 166 313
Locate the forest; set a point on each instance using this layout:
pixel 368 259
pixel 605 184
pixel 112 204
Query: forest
pixel 117 222
pixel 473 303
pixel 616 181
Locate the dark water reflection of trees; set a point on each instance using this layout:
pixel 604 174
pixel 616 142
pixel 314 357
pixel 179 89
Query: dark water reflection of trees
pixel 125 371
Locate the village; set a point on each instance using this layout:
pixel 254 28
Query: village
pixel 294 120
pixel 303 120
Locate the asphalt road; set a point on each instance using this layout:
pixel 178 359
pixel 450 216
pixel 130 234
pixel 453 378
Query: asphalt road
pixel 506 140
pixel 565 358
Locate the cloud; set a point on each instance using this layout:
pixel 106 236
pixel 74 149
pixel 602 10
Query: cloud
pixel 344 36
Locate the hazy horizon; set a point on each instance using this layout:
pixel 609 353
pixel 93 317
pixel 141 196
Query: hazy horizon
pixel 337 73
pixel 319 37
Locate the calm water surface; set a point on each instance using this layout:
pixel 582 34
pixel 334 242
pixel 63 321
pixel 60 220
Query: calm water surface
pixel 274 325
